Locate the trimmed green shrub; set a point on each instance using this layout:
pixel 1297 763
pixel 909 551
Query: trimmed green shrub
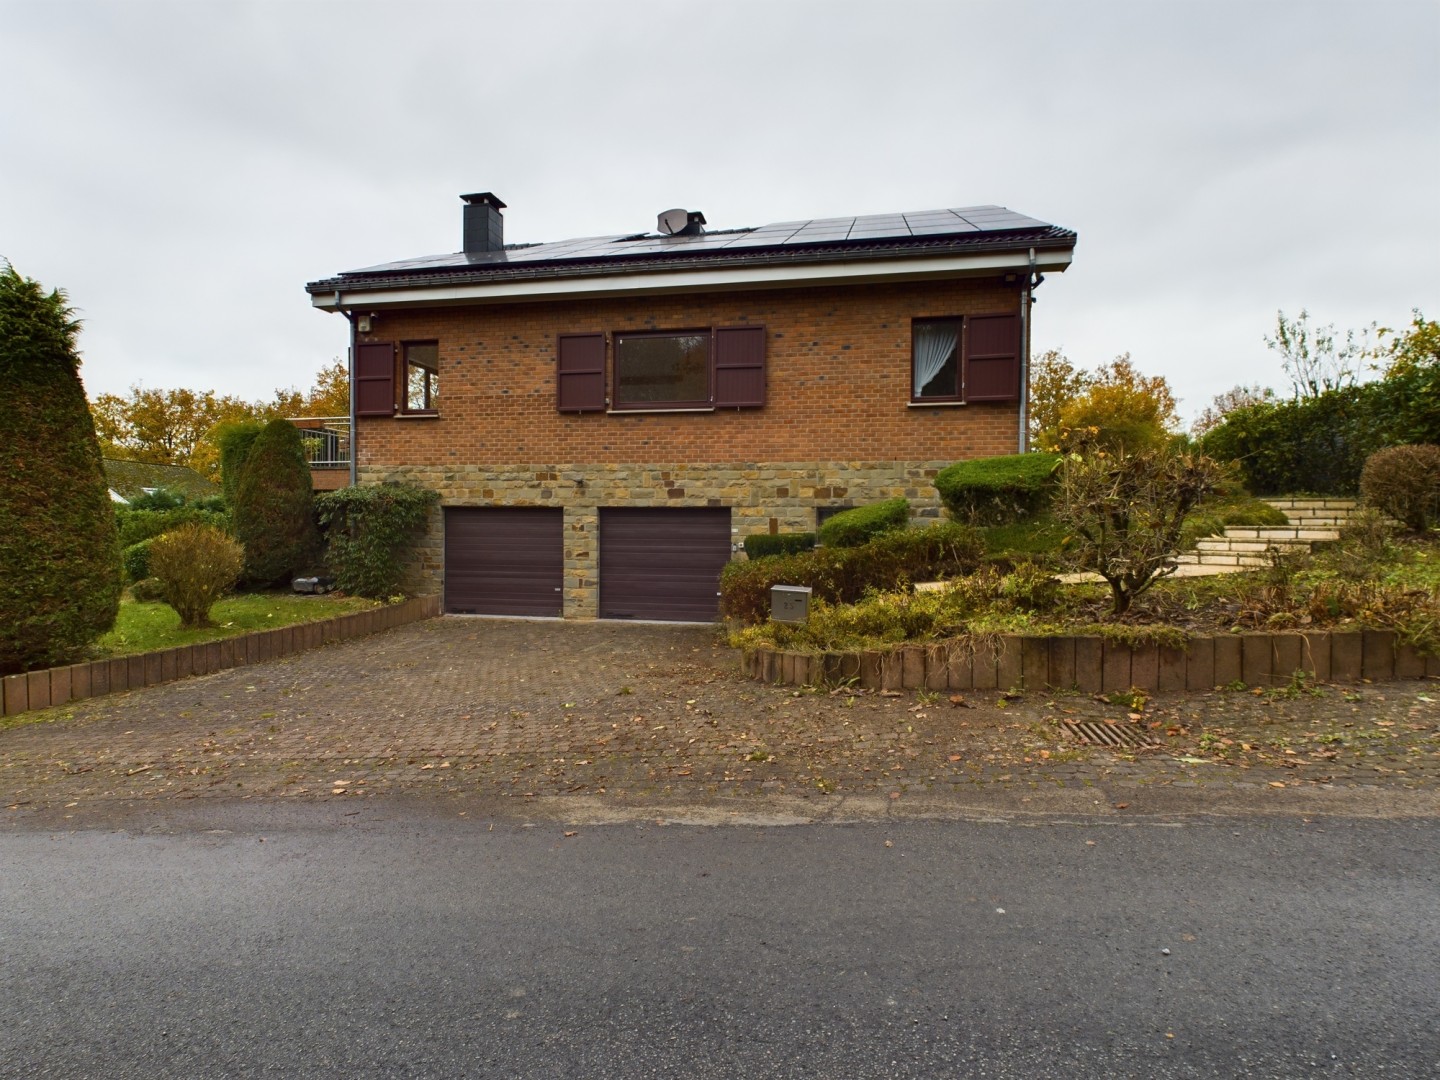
pixel 59 560
pixel 368 531
pixel 159 499
pixel 137 525
pixel 274 506
pixel 998 490
pixel 235 441
pixel 1404 482
pixel 148 590
pixel 842 575
pixel 136 560
pixel 196 565
pixel 851 528
pixel 759 545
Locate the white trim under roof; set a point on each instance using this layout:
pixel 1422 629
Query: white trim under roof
pixel 768 276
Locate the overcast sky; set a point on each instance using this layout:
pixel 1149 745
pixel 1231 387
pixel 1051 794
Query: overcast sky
pixel 183 169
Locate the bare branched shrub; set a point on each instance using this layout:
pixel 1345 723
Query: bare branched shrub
pixel 1126 513
pixel 1404 482
pixel 196 564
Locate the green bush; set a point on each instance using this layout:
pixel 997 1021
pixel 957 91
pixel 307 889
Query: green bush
pixel 274 507
pixel 998 490
pixel 1404 482
pixel 138 525
pixel 235 440
pixel 136 560
pixel 842 575
pixel 759 545
pixel 368 531
pixel 59 560
pixel 851 528
pixel 196 566
pixel 148 590
pixel 1212 518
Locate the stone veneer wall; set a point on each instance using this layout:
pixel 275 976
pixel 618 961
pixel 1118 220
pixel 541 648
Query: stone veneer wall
pixel 783 495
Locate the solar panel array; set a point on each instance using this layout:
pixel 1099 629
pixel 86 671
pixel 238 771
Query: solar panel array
pixel 785 234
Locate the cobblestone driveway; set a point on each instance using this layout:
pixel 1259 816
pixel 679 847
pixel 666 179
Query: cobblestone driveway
pixel 533 709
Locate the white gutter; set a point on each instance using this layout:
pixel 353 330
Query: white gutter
pixel 770 276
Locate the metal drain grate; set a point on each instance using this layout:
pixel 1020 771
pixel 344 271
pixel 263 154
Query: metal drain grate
pixel 1106 733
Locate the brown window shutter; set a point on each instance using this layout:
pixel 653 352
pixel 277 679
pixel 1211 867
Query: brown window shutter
pixel 992 358
pixel 580 373
pixel 375 379
pixel 739 366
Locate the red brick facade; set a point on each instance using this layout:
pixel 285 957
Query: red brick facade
pixel 837 386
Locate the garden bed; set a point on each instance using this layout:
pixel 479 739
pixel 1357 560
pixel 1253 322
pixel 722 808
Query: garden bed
pixel 73 682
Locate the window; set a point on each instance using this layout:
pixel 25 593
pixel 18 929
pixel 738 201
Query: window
pixel 662 370
pixel 970 359
pixel 422 376
pixel 712 368
pixel 935 365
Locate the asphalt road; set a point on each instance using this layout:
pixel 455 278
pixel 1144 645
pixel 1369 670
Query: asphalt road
pixel 404 940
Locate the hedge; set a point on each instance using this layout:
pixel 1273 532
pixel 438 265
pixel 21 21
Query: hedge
pixel 759 545
pixel 998 490
pixel 851 528
pixel 842 575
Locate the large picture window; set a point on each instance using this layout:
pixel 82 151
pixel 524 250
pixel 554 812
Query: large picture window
pixel 422 376
pixel 662 370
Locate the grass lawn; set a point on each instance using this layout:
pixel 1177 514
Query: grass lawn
pixel 146 627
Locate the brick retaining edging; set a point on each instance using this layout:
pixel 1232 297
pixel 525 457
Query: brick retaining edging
pixel 56 686
pixel 1093 664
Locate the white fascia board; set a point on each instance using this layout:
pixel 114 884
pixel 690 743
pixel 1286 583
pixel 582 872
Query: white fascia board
pixel 770 276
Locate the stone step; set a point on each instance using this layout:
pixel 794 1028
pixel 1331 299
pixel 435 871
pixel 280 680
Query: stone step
pixel 1281 532
pixel 1237 560
pixel 1249 547
pixel 1287 504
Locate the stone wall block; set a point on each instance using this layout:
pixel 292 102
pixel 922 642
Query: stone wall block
pixel 80 682
pixel 1257 666
pixel 984 674
pixel 1115 670
pixel 1345 656
pixel 38 688
pixel 17 694
pixel 1287 649
pixel 1409 663
pixel 1227 660
pixel 1377 656
pixel 960 667
pixel 937 667
pixel 1008 663
pixel 1061 674
pixel 1170 678
pixel 1315 654
pixel 1200 664
pixel 1089 664
pixel 1034 663
pixel 912 667
pixel 59 685
pixel 1145 666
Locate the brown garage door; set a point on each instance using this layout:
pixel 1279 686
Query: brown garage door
pixel 504 561
pixel 662 563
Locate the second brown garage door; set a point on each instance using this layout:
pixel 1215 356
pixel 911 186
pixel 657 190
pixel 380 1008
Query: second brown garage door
pixel 504 560
pixel 662 563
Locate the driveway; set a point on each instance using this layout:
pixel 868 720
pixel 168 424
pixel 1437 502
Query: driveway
pixel 616 711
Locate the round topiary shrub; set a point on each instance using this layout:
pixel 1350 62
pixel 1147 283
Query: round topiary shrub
pixel 1404 482
pixel 136 560
pixel 148 590
pixel 274 515
pixel 196 565
pixel 59 560
pixel 998 490
pixel 851 528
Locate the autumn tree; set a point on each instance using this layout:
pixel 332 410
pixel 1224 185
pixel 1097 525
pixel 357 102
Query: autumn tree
pixel 59 555
pixel 1116 407
pixel 1054 383
pixel 164 427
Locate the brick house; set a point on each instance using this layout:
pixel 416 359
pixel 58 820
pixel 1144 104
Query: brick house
pixel 606 419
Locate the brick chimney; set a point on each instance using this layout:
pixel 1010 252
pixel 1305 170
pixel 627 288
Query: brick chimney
pixel 484 227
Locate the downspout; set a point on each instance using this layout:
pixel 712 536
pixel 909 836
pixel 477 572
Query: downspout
pixel 350 372
pixel 1024 439
pixel 1027 302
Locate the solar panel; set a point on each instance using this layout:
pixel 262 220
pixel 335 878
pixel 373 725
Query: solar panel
pixel 868 227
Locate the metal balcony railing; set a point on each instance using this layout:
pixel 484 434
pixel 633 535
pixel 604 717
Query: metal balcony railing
pixel 326 440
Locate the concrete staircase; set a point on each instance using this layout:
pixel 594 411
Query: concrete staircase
pixel 1311 522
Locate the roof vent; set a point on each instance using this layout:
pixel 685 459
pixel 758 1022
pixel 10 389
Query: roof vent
pixel 681 223
pixel 484 227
